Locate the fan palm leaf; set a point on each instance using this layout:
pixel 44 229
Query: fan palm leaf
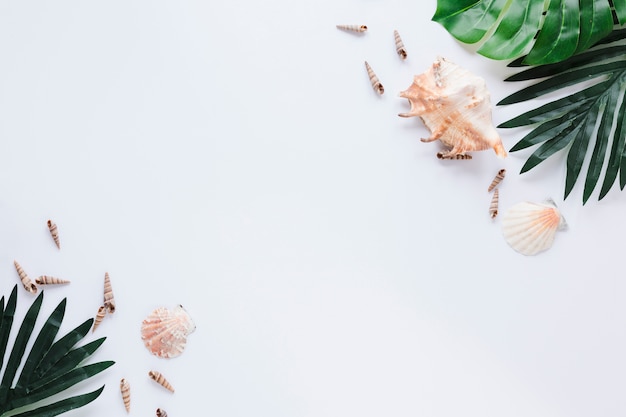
pixel 547 31
pixel 49 368
pixel 592 117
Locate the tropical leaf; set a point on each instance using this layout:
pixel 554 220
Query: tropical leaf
pixel 547 31
pixel 591 120
pixel 49 368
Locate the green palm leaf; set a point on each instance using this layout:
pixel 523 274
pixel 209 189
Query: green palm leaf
pixel 591 120
pixel 49 368
pixel 548 31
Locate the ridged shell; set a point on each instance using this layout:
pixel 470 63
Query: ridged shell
pixel 160 379
pixel 530 227
pixel 493 206
pixel 455 106
pixel 109 299
pixel 48 280
pixel 353 28
pixel 161 412
pixel 26 281
pixel 125 390
pixel 164 332
pixel 102 311
pixel 54 231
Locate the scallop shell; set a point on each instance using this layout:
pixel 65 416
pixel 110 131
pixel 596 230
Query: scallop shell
pixel 48 280
pixel 161 412
pixel 160 379
pixel 125 390
pixel 164 332
pixel 455 106
pixel 54 232
pixel 530 227
pixel 109 299
pixel 26 281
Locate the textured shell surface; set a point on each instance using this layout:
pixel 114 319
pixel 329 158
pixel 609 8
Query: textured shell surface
pixel 109 298
pixel 164 332
pixel 25 279
pixel 54 231
pixel 161 380
pixel 530 228
pixel 161 412
pixel 455 106
pixel 48 280
pixel 125 390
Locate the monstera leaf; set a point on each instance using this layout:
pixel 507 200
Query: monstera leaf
pixel 49 368
pixel 593 117
pixel 547 31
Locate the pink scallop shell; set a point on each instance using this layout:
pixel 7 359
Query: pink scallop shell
pixel 164 332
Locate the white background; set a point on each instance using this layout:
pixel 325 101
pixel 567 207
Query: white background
pixel 231 156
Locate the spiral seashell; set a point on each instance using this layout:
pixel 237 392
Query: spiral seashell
pixel 498 178
pixel 54 232
pixel 447 155
pixel 102 311
pixel 529 228
pixel 400 49
pixel 353 28
pixel 161 412
pixel 160 379
pixel 48 280
pixel 376 85
pixel 125 390
pixel 164 332
pixel 109 300
pixel 455 106
pixel 493 207
pixel 26 282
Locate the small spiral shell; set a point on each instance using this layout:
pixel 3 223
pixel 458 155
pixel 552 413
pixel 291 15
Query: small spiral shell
pixel 102 311
pixel 125 390
pixel 54 232
pixel 109 300
pixel 442 155
pixel 26 282
pixel 498 178
pixel 493 207
pixel 400 49
pixel 161 412
pixel 160 379
pixel 353 28
pixel 376 85
pixel 48 280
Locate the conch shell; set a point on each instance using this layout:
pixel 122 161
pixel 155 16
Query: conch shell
pixel 455 106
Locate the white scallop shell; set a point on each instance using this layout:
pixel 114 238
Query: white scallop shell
pixel 164 332
pixel 530 227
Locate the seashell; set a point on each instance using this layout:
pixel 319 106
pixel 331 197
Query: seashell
pixel 102 311
pixel 26 282
pixel 54 232
pixel 109 300
pixel 442 155
pixel 530 227
pixel 164 332
pixel 160 379
pixel 161 412
pixel 498 178
pixel 493 207
pixel 125 389
pixel 376 85
pixel 455 106
pixel 400 49
pixel 353 28
pixel 48 280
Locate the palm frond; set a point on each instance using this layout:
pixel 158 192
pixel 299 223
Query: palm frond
pixel 49 368
pixel 546 32
pixel 591 118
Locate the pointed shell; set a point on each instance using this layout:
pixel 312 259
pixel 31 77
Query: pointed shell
pixel 26 281
pixel 455 106
pixel 125 390
pixel 164 332
pixel 48 280
pixel 161 412
pixel 400 49
pixel 530 227
pixel 353 28
pixel 376 85
pixel 497 180
pixel 160 379
pixel 54 232
pixel 493 207
pixel 102 311
pixel 109 299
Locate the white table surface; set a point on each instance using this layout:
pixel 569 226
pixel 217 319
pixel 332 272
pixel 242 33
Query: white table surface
pixel 232 157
